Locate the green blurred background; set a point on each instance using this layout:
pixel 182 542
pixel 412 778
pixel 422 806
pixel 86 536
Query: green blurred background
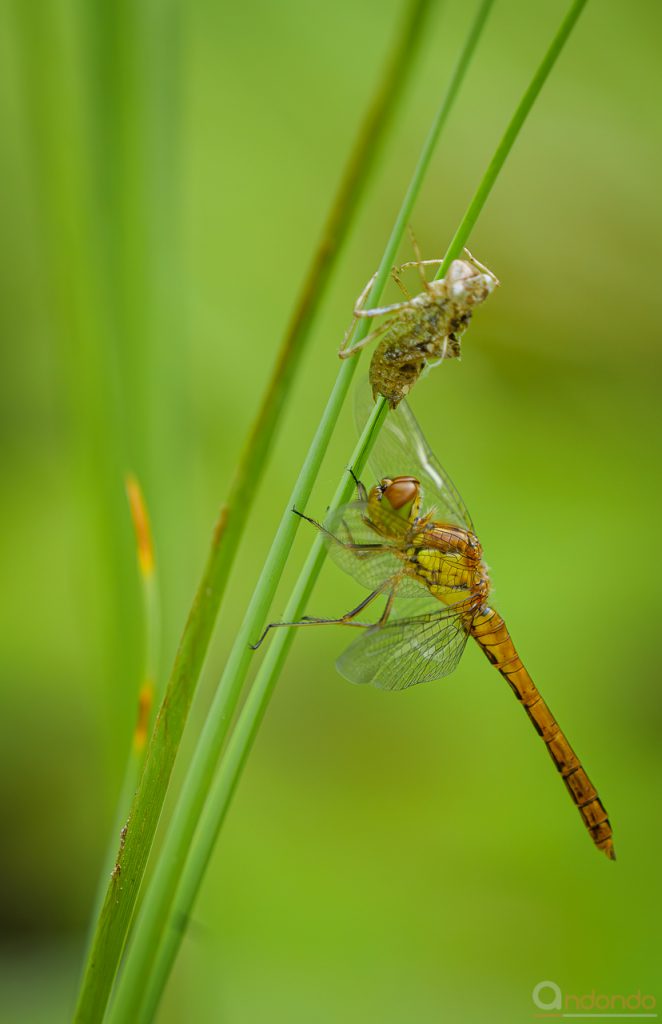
pixel 166 170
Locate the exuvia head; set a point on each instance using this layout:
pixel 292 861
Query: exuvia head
pixel 469 282
pixel 401 494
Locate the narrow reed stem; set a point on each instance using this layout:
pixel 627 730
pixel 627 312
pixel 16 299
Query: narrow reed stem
pixel 486 185
pixel 151 614
pixel 135 843
pixel 146 694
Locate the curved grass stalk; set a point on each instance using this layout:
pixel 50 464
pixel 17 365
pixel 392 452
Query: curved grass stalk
pixel 147 691
pixel 130 862
pixel 486 185
pixel 160 893
pixel 152 624
pixel 240 743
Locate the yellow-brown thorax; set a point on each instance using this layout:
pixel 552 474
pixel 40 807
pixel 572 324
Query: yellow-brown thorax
pixel 445 559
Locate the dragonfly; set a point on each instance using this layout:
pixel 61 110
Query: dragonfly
pixel 410 540
pixel 424 329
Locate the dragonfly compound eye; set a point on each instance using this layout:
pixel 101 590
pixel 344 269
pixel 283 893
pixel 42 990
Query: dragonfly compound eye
pixel 401 493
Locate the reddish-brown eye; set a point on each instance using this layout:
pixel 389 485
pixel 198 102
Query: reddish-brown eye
pixel 401 491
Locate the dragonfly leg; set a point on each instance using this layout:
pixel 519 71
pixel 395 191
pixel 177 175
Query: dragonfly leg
pixel 360 302
pixel 360 488
pixel 480 266
pixel 361 311
pixel 345 620
pixel 313 522
pixel 389 607
pixel 350 547
pixel 395 274
pixel 359 305
pixel 394 307
pixel 420 264
pixel 345 353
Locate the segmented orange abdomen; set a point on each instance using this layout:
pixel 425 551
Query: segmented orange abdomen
pixel 491 632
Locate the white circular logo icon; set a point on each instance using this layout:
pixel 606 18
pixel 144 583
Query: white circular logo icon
pixel 541 995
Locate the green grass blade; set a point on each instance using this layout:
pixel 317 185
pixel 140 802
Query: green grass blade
pixel 253 711
pixel 126 876
pixel 147 692
pixel 486 185
pixel 160 893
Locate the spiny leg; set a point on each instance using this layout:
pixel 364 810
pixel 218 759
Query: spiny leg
pixel 431 363
pixel 351 546
pixel 360 302
pixel 313 522
pixel 421 263
pixel 395 307
pixel 395 274
pixel 360 487
pixel 480 266
pixel 345 620
pixel 359 308
pixel 359 305
pixel 396 271
pixel 388 608
pixel 418 262
pixel 345 353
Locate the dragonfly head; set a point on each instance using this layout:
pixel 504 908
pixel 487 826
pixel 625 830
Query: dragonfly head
pixel 400 494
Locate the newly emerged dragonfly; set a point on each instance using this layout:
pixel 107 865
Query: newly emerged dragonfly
pixel 424 329
pixel 410 540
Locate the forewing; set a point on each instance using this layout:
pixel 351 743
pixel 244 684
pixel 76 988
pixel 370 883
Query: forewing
pixel 372 559
pixel 401 450
pixel 406 651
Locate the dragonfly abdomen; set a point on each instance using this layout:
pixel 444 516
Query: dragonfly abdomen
pixel 491 632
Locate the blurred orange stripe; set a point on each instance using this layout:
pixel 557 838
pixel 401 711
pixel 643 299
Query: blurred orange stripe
pixel 145 702
pixel 140 525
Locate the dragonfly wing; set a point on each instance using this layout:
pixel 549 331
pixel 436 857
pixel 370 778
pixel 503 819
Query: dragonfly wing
pixel 401 450
pixel 406 651
pixel 360 550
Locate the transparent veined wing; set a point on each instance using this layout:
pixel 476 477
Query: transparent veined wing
pixel 401 450
pixel 374 560
pixel 407 651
